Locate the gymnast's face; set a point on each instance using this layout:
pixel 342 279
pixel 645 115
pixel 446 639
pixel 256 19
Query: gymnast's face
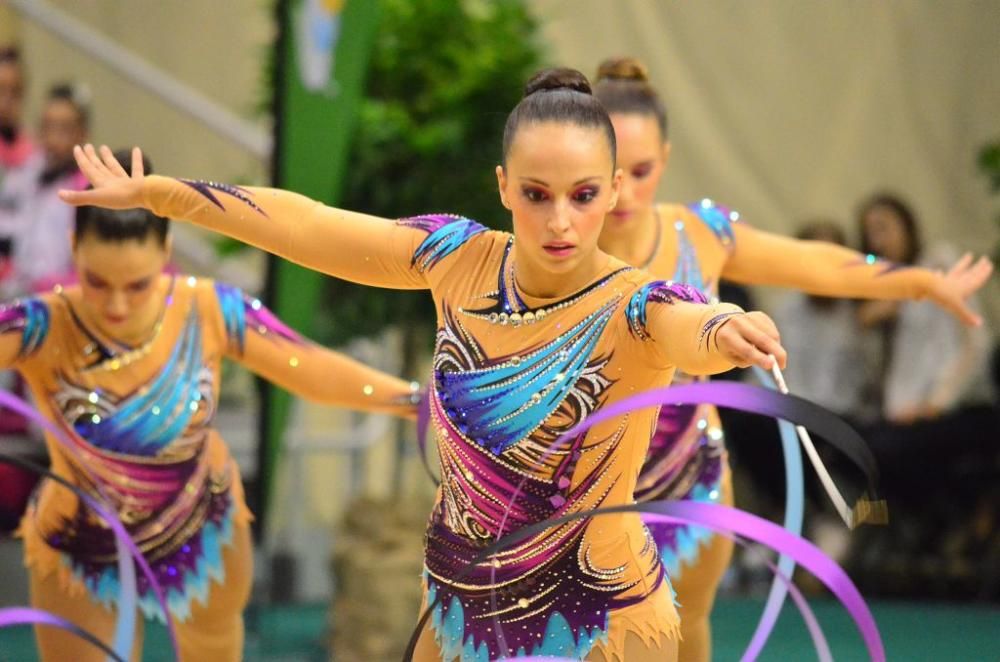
pixel 642 156
pixel 119 282
pixel 559 182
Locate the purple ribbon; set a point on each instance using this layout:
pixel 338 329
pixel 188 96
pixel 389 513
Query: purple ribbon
pixel 815 631
pixel 11 616
pixel 122 538
pixel 721 518
pixel 794 511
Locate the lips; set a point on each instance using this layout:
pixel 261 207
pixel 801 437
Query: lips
pixel 559 248
pixel 115 319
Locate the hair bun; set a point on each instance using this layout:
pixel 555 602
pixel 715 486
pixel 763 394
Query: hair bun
pixel 623 68
pixel 561 78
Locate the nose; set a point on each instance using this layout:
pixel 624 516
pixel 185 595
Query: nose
pixel 625 194
pixel 559 221
pixel 117 304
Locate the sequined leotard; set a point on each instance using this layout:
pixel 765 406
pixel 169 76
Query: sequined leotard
pixel 142 420
pixel 511 373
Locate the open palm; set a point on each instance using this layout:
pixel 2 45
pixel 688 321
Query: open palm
pixel 113 188
pixel 952 290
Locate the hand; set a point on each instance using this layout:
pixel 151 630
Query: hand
pixel 112 186
pixel 915 413
pixel 952 289
pixel 749 339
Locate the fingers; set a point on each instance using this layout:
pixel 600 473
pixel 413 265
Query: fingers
pixel 79 198
pixel 86 166
pixel 965 314
pixel 744 354
pixel 981 271
pixel 137 167
pixel 962 264
pixel 111 163
pixel 766 342
pixel 750 339
pixel 95 161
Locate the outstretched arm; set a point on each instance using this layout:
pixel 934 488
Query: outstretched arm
pixel 825 269
pixel 701 339
pixel 261 342
pixel 356 247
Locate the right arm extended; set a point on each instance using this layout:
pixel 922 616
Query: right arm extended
pixel 356 247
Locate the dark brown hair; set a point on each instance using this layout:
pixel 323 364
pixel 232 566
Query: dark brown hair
pixel 118 225
pixel 75 95
pixel 622 85
pixel 905 215
pixel 558 95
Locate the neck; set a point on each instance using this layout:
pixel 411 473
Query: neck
pixel 632 242
pixel 536 280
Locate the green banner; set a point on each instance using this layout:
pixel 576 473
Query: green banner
pixel 322 54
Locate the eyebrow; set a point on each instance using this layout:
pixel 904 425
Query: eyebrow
pixel 576 183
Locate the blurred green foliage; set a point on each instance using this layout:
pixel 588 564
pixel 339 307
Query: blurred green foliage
pixel 989 163
pixel 443 76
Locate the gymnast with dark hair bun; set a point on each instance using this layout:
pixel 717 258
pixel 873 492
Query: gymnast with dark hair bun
pixel 537 329
pixel 697 244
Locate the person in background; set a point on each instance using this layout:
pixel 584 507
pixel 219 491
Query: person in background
pixel 699 244
pixel 128 362
pixel 15 144
pixel 17 154
pixel 36 222
pixel 930 364
pixel 16 147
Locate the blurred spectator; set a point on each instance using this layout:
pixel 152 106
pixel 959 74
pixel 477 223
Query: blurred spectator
pixel 15 145
pixel 930 363
pixel 825 362
pixel 36 221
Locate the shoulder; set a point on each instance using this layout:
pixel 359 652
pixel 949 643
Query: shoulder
pixel 31 318
pixel 446 233
pixel 716 217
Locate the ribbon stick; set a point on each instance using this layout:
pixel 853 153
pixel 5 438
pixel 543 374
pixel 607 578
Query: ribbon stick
pixel 865 510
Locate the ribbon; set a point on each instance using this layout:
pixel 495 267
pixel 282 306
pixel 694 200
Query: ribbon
pixel 721 519
pixel 128 594
pixel 11 616
pixel 744 398
pixel 794 513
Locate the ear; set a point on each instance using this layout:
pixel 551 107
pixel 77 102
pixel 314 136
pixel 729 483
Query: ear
pixel 666 153
pixel 502 186
pixel 616 187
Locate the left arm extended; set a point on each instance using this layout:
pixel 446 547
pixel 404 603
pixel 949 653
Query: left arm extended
pixel 826 269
